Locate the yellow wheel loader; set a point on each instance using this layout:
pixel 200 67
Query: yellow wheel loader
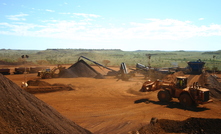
pixel 187 96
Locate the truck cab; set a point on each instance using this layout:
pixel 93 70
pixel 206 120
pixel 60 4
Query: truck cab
pixel 181 82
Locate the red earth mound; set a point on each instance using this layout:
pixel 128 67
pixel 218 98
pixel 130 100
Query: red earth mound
pixel 210 81
pixel 37 86
pixel 172 77
pixel 37 83
pixel 214 86
pixel 80 69
pixel 22 112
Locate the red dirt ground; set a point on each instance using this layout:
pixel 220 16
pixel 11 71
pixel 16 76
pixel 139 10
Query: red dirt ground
pixel 21 112
pixel 115 106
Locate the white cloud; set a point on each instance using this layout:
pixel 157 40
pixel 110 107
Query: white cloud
pixel 17 17
pixel 65 13
pixel 54 21
pixel 82 14
pixel 19 29
pixel 48 10
pixel 154 29
pixel 87 15
pixel 201 18
pixel 169 29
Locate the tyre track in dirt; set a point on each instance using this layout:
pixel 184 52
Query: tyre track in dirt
pixel 107 106
pixel 111 106
pixel 192 79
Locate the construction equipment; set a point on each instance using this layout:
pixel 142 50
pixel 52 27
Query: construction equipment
pixel 141 67
pixel 36 69
pixel 5 71
pixel 196 67
pixel 121 74
pixel 96 63
pixel 188 96
pixel 51 73
pixel 21 70
pixel 124 74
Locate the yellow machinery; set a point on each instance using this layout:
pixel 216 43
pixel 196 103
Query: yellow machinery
pixel 51 73
pixel 187 96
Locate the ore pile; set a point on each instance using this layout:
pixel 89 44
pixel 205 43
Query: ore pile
pixel 207 80
pixel 214 86
pixel 190 126
pixel 80 69
pixel 21 112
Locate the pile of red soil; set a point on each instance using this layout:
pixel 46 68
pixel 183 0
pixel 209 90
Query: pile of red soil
pixel 38 83
pixel 214 86
pixel 207 80
pixel 80 69
pixel 157 75
pixel 190 126
pixel 37 86
pixel 172 77
pixel 21 112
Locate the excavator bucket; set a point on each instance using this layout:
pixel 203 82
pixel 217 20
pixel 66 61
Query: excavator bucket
pixel 147 86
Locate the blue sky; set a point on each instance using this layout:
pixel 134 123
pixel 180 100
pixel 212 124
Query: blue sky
pixel 111 24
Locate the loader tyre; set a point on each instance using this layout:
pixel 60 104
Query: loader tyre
pixel 47 76
pixel 164 96
pixel 186 100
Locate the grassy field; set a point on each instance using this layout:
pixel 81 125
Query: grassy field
pixel 114 56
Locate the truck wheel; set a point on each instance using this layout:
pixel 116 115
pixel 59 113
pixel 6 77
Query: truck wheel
pixel 186 100
pixel 164 96
pixel 47 76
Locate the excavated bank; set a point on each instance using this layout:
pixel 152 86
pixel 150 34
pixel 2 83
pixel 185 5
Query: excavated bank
pixel 214 86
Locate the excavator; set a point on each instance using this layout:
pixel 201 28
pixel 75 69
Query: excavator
pixel 187 96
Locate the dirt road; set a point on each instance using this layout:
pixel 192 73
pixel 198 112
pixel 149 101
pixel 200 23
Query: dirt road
pixel 111 106
pixel 192 79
